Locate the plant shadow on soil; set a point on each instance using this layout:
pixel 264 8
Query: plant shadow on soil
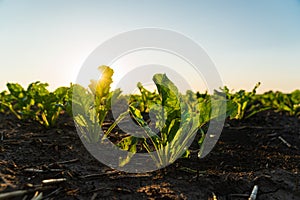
pixel 249 152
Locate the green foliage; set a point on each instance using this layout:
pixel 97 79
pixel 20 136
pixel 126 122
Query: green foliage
pixel 244 101
pixel 180 123
pixel 3 102
pixel 177 117
pixel 281 102
pixel 101 91
pixel 35 103
pixel 84 113
pixel 90 107
pixel 144 100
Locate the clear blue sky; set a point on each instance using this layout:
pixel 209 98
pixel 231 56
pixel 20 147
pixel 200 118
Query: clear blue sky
pixel 249 41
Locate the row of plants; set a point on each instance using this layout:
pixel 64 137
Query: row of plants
pixel 250 103
pixel 176 118
pixel 39 104
pixel 36 102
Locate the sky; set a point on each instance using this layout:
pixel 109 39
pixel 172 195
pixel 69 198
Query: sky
pixel 248 41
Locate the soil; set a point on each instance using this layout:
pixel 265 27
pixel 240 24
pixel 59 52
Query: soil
pixel 249 152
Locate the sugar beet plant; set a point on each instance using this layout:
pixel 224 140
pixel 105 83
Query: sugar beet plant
pixel 36 102
pixel 245 102
pixel 90 106
pixel 144 100
pixel 177 117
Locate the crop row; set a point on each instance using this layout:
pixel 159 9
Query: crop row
pixel 38 103
pixel 168 119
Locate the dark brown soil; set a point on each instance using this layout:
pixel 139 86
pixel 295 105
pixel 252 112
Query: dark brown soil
pixel 248 153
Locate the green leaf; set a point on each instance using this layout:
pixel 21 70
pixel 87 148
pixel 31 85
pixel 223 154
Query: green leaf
pixel 16 90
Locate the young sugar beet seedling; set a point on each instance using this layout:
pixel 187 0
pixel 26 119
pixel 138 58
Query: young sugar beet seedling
pixel 179 117
pixel 143 100
pixel 90 106
pixel 16 100
pixel 47 105
pixel 244 101
pixel 177 124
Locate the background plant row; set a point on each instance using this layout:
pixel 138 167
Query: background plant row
pixel 39 104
